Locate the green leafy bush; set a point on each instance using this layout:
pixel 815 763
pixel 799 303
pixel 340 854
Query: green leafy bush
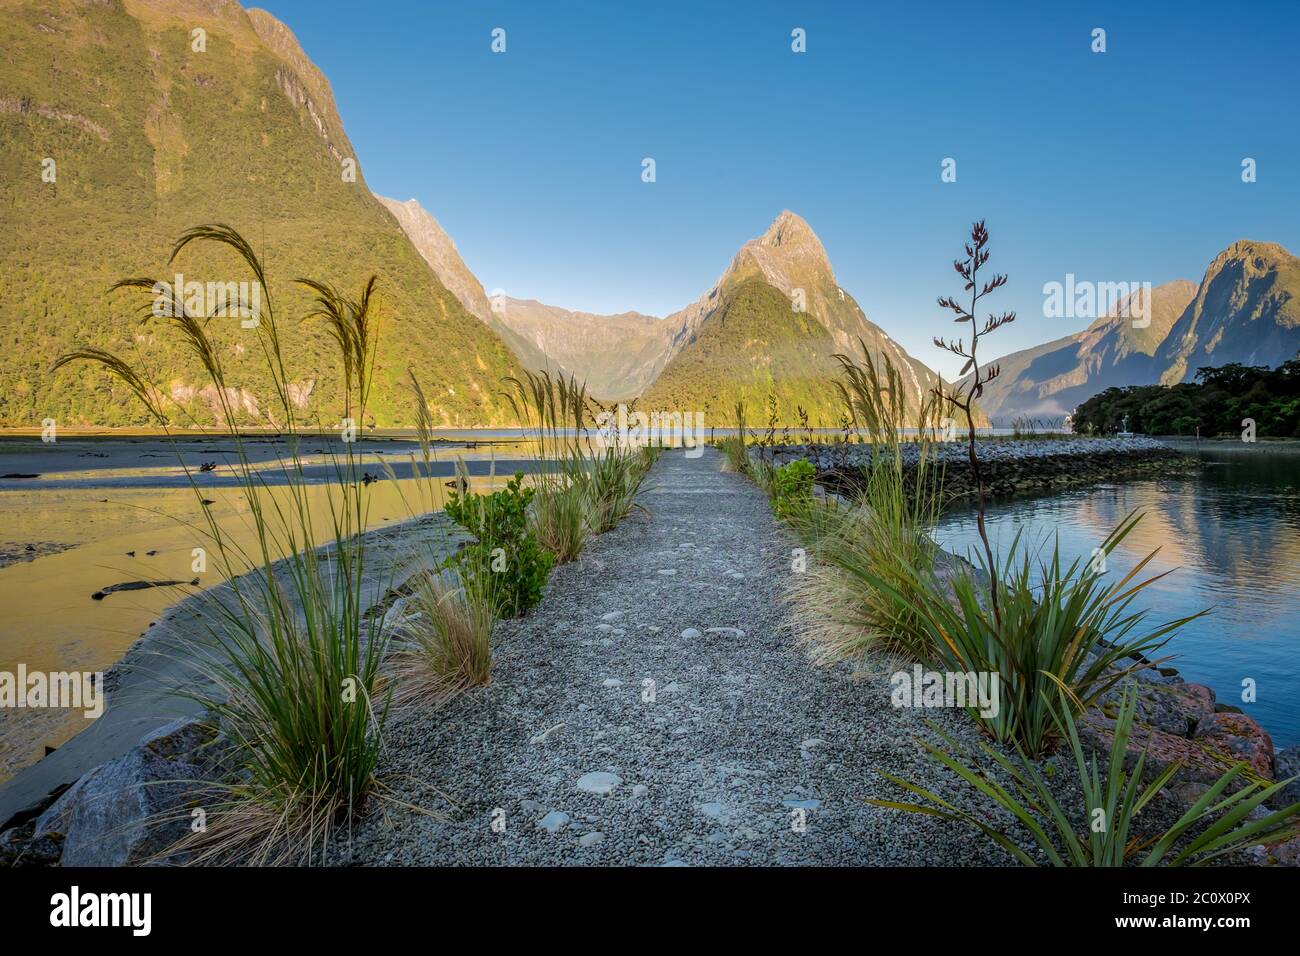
pixel 791 485
pixel 506 560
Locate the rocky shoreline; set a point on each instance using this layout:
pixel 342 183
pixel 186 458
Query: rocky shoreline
pixel 1009 466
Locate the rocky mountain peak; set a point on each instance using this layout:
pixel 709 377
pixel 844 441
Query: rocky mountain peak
pixel 439 251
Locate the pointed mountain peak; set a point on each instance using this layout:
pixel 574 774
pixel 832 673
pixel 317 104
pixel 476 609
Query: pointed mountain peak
pixel 788 254
pixel 788 229
pixel 1261 255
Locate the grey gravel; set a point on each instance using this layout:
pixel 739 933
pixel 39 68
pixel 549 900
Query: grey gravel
pixel 748 754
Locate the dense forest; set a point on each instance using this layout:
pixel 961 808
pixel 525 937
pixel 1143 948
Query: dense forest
pixel 1217 403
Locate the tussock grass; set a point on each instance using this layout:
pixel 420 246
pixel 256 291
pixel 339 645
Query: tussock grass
pixel 293 659
pixel 867 551
pixel 448 646
pixel 585 483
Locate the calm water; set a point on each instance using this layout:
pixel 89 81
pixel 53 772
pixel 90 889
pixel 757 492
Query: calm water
pixel 1233 533
pixel 88 512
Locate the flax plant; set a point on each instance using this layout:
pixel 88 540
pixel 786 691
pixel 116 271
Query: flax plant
pixel 1229 817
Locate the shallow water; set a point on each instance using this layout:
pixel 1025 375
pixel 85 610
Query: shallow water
pixel 1232 532
pixel 70 532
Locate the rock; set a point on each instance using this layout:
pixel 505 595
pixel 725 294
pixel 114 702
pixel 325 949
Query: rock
pixel 640 790
pixel 1177 709
pixel 554 822
pixel 1241 737
pixel 668 572
pixel 611 617
pixel 1286 764
pixel 1205 758
pixel 132 809
pixel 20 847
pixel 591 839
pixel 725 631
pixel 599 782
pixel 1286 853
pixel 801 803
pixel 691 634
pixel 611 682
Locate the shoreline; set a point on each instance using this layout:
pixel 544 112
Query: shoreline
pixel 140 687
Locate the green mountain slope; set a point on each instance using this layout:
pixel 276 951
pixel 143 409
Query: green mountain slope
pixel 753 346
pixel 150 137
pixel 744 338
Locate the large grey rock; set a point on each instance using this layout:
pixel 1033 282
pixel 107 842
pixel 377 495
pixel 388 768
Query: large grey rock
pixel 1286 764
pixel 130 810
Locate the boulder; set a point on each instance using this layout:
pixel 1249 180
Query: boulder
pixel 1174 708
pixel 1204 758
pixel 1286 764
pixel 131 809
pixel 1241 738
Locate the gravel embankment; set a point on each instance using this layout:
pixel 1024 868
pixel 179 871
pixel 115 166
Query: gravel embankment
pixel 742 731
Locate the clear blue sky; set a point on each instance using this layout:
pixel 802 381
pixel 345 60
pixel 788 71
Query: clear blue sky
pixel 1122 166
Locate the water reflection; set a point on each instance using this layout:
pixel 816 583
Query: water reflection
pixel 1233 533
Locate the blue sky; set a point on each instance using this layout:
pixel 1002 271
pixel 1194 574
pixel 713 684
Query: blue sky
pixel 1118 166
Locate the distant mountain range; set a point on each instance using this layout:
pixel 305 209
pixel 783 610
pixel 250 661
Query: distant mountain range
pixel 771 323
pixel 1245 310
pixel 149 135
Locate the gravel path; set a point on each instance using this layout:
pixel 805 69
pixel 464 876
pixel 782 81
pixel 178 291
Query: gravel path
pixel 746 753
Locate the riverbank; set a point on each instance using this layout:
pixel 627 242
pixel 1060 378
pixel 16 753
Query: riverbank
pixel 1232 446
pixel 141 689
pixel 1008 466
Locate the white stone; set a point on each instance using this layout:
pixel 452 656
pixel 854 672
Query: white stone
pixel 599 782
pixel 554 822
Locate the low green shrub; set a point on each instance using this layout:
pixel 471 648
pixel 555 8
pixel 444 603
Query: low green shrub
pixel 506 560
pixel 791 485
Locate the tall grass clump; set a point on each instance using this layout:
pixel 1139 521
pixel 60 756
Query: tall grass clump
pixel 293 660
pixel 1229 817
pixel 585 480
pixel 875 546
pixel 446 644
pixel 735 447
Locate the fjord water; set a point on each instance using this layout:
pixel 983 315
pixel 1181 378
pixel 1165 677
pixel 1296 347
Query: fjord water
pixel 93 512
pixel 1233 534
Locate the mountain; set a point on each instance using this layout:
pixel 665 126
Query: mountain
pixel 148 136
pixel 616 355
pixel 1049 380
pixel 745 339
pixel 1245 310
